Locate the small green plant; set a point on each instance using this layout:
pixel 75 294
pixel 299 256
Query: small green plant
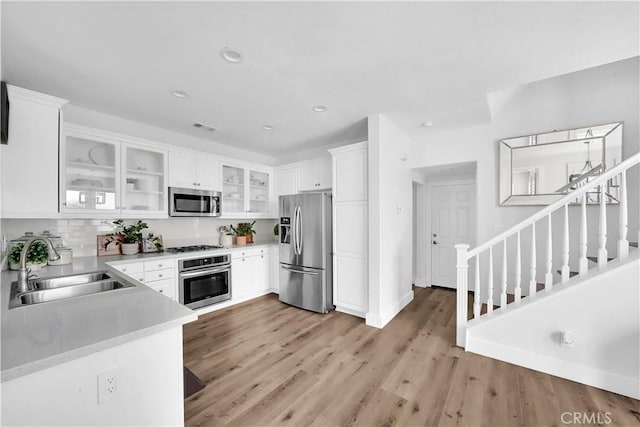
pixel 156 240
pixel 128 234
pixel 37 254
pixel 276 229
pixel 244 228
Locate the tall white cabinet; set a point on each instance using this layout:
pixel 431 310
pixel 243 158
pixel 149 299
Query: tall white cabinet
pixel 29 161
pixel 350 225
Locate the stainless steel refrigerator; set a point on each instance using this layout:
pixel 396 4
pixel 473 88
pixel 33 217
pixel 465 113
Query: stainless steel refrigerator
pixel 305 251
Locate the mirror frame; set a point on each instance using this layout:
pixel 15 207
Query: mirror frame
pixel 505 164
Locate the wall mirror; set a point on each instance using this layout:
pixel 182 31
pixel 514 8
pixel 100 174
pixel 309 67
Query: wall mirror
pixel 539 169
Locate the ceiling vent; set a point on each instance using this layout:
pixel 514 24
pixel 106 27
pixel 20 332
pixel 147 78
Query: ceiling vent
pixel 201 125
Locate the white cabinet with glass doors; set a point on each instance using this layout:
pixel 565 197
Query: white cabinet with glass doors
pixel 247 192
pixel 101 174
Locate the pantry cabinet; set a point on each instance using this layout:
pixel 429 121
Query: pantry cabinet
pixel 247 192
pixel 29 167
pixel 190 170
pixel 104 174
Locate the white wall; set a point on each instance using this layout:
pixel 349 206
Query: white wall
pixel 390 221
pixel 599 95
pixel 86 117
pixel 149 388
pixel 601 312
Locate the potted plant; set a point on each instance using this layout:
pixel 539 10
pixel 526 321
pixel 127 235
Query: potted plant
pixel 241 234
pixel 129 237
pixel 37 256
pixel 248 229
pixel 276 230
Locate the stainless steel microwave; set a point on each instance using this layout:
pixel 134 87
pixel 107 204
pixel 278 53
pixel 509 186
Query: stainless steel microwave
pixel 190 202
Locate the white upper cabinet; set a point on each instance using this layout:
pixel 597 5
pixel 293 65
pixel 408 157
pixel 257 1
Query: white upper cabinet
pixel 198 171
pixel 315 175
pixel 29 166
pixel 286 181
pixel 106 174
pixel 144 185
pixel 247 192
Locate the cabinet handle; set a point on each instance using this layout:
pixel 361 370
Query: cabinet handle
pixel 159 265
pixel 141 279
pixel 160 275
pixel 124 270
pixel 64 203
pixel 161 290
pixel 195 184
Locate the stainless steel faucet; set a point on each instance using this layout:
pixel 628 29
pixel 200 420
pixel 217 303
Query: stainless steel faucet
pixel 23 272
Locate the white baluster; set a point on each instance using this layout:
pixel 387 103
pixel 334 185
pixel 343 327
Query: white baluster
pixel 533 283
pixel 518 290
pixel 462 294
pixel 548 277
pixel 490 282
pixel 503 282
pixel 564 270
pixel 623 243
pixel 476 290
pixel 583 262
pixel 602 231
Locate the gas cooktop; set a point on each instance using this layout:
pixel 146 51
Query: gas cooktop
pixel 194 248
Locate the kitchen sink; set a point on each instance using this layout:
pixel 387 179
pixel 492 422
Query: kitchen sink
pixel 59 288
pixel 78 279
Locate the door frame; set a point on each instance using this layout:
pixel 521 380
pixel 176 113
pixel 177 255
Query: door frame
pixel 428 216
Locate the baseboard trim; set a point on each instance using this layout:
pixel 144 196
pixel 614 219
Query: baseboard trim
pixel 380 320
pixel 351 311
pixel 560 368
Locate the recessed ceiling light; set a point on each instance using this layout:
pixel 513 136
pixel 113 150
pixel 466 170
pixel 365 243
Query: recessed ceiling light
pixel 179 94
pixel 267 127
pixel 426 124
pixel 231 55
pixel 319 108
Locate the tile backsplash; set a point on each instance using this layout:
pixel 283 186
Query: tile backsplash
pixel 80 234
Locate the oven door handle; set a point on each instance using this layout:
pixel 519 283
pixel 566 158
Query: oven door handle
pixel 293 270
pixel 203 272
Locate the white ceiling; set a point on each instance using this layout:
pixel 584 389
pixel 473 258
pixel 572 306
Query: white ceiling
pixel 415 61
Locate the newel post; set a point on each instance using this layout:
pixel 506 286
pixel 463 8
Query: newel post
pixel 462 277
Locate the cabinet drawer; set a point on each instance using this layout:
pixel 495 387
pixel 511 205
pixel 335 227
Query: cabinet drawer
pixel 152 276
pixel 245 253
pixel 130 269
pixel 158 264
pixel 165 287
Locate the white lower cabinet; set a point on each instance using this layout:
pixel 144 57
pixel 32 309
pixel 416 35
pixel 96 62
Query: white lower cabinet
pixel 250 273
pixel 159 274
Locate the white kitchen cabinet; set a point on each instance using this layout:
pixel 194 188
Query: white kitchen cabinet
pixel 261 272
pixel 247 192
pixel 315 175
pixel 104 174
pixel 251 272
pixel 350 229
pixel 159 274
pixel 241 277
pixel 286 181
pixel 144 187
pixel 29 161
pixel 274 269
pixel 190 170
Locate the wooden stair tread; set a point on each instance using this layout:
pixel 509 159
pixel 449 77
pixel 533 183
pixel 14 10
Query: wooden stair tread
pixel 595 258
pixel 634 244
pixel 571 273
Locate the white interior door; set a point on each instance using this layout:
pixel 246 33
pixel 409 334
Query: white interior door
pixel 452 218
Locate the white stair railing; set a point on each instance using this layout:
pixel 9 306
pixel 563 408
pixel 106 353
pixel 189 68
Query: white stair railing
pixel 464 254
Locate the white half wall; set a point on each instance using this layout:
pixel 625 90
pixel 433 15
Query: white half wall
pixel 390 221
pixel 603 314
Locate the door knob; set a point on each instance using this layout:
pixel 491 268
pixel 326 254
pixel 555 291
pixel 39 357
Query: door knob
pixel 435 243
pixel 435 235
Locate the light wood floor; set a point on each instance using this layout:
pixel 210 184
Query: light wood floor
pixel 266 363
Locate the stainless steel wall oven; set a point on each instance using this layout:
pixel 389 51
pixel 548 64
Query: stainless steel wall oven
pixel 204 280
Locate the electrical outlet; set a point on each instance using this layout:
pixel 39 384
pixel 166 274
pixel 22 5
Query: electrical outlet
pixel 107 384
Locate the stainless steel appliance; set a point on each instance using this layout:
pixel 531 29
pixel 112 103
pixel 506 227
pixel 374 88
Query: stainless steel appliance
pixel 204 280
pixel 305 251
pixel 190 202
pixel 193 248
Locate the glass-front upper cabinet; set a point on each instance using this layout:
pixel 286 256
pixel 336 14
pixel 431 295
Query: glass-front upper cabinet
pixel 89 173
pixel 233 190
pixel 259 192
pixel 144 188
pixel 246 192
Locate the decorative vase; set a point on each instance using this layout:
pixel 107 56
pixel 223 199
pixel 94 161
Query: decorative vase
pixel 129 248
pixel 241 240
pixel 226 240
